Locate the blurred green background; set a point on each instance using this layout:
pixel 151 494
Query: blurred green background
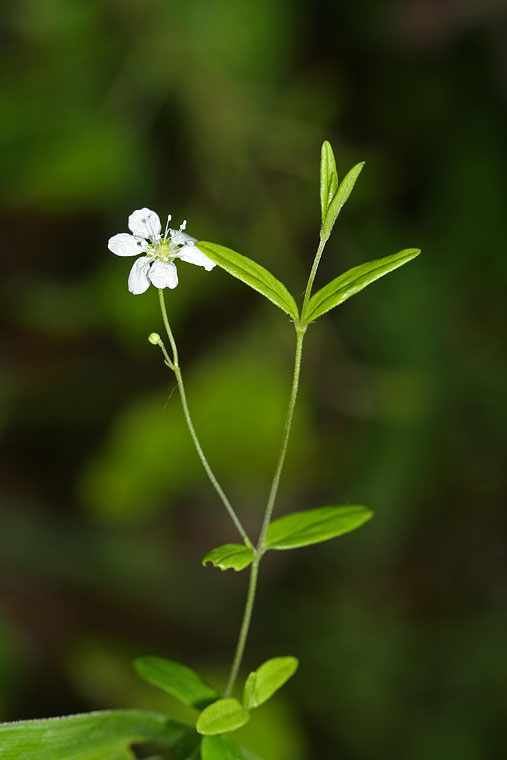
pixel 215 110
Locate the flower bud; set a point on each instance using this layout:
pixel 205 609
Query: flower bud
pixel 154 339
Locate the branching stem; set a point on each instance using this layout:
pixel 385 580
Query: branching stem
pixel 301 326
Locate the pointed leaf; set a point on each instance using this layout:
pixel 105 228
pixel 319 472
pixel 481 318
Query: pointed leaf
pixel 340 197
pixel 252 274
pixel 221 717
pixel 353 281
pixel 94 736
pixel 235 556
pixel 328 178
pixel 314 525
pixel 176 679
pixel 220 748
pixel 263 682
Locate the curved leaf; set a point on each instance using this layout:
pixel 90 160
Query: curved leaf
pixel 341 196
pixel 221 717
pixel 353 281
pixel 176 679
pixel 328 178
pixel 314 525
pixel 220 748
pixel 263 682
pixel 95 736
pixel 252 274
pixel 235 556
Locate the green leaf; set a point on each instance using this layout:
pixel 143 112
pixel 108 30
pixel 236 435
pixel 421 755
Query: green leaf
pixel 263 682
pixel 176 679
pixel 328 178
pixel 340 197
pixel 94 736
pixel 252 274
pixel 235 556
pixel 353 281
pixel 220 748
pixel 314 525
pixel 221 717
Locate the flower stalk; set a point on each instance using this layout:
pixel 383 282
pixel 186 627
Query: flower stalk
pixel 175 366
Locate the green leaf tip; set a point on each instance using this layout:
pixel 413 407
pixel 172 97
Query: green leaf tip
pixel 328 178
pixel 230 556
pixel 176 679
pixel 267 679
pixel 314 525
pixel 221 717
pixel 353 281
pixel 340 197
pixel 252 274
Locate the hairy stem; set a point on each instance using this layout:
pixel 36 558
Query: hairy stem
pixel 245 626
pixel 200 452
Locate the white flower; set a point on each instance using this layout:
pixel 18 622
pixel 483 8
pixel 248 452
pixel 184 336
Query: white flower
pixel 157 265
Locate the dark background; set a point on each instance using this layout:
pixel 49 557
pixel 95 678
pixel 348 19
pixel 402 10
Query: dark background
pixel 215 111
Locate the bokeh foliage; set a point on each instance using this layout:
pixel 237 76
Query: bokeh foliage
pixel 215 111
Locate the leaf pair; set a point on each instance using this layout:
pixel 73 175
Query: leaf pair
pixel 332 194
pixel 184 684
pixel 293 531
pixel 331 295
pixel 226 715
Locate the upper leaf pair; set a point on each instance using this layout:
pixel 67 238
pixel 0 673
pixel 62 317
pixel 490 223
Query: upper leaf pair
pixel 298 529
pixel 331 295
pixel 333 195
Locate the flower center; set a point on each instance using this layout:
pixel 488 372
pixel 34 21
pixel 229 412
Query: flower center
pixel 163 250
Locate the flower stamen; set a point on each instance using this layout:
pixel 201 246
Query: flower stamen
pixel 169 217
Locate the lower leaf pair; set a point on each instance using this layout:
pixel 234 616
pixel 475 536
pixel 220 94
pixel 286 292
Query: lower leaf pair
pixel 226 715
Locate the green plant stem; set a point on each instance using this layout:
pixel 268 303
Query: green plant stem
pixel 300 333
pixel 245 626
pixel 300 326
pixel 247 615
pixel 313 272
pixel 183 396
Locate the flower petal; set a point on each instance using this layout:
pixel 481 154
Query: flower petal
pixel 164 274
pixel 126 245
pixel 145 223
pixel 138 277
pixel 178 237
pixel 193 255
